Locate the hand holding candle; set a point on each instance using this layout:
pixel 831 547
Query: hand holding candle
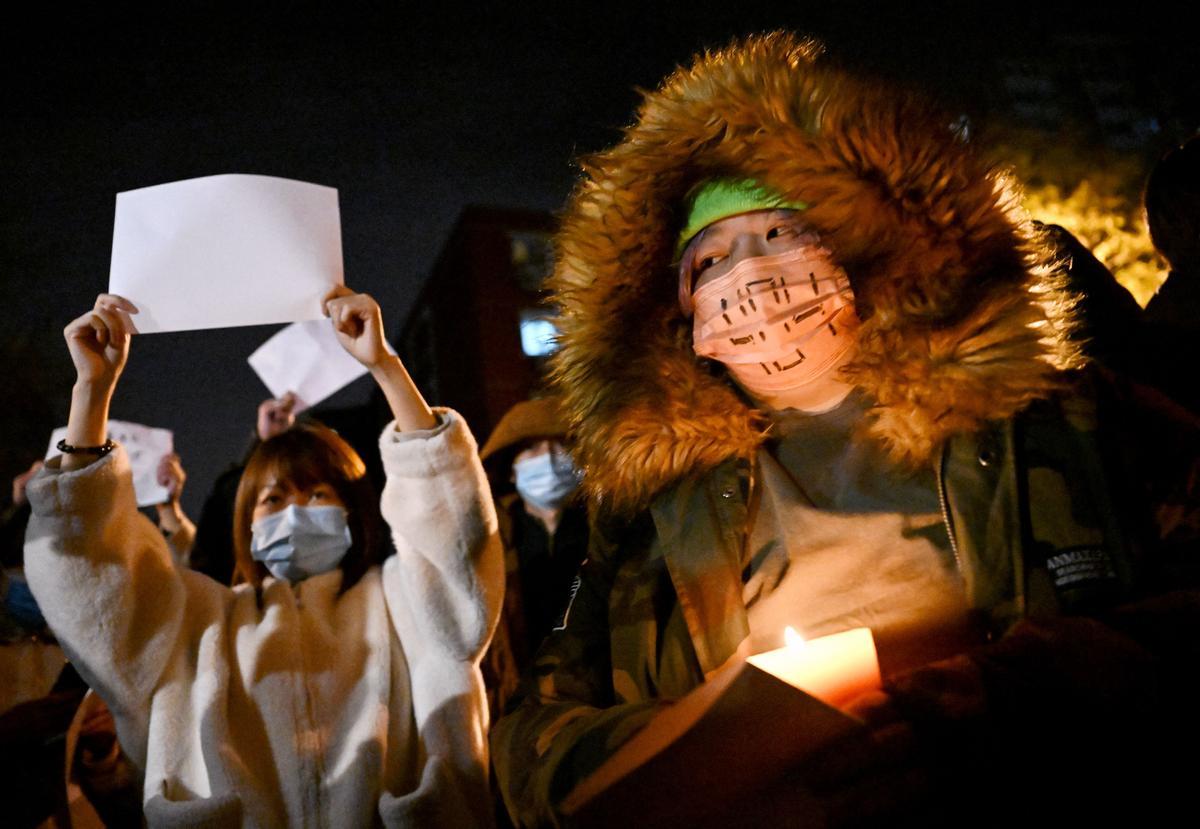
pixel 835 669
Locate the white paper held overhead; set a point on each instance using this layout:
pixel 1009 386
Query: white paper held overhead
pixel 226 250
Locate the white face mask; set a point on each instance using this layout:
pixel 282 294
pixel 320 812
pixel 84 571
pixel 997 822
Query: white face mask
pixel 781 325
pixel 546 481
pixel 298 542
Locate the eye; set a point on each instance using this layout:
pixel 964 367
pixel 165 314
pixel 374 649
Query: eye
pixel 321 494
pixel 780 231
pixel 270 499
pixel 706 262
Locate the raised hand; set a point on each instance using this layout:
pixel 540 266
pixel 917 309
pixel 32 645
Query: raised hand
pixel 359 327
pixel 99 340
pixel 180 531
pixel 99 346
pixel 358 324
pixel 171 476
pixel 275 416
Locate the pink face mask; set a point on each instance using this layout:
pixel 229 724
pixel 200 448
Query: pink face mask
pixel 780 325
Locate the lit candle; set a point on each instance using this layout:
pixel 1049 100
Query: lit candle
pixel 835 669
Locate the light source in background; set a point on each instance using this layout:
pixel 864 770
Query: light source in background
pixel 1094 192
pixel 539 334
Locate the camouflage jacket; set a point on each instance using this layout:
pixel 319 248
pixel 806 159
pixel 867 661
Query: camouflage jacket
pixel 1047 515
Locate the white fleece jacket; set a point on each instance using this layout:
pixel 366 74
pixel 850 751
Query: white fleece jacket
pixel 308 708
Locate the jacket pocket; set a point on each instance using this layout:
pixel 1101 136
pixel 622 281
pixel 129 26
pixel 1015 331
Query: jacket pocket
pixel 442 798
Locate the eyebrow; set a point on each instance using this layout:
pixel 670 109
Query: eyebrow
pixel 701 237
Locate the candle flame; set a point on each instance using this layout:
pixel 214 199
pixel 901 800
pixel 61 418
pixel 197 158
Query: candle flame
pixel 791 638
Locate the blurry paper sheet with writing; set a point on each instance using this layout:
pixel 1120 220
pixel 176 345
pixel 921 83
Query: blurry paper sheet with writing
pixel 226 250
pixel 306 359
pixel 145 446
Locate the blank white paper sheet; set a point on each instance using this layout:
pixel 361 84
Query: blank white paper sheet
pixel 306 359
pixel 225 251
pixel 145 446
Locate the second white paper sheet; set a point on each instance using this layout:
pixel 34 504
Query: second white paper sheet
pixel 225 251
pixel 145 446
pixel 305 358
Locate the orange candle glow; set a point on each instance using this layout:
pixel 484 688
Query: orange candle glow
pixel 835 669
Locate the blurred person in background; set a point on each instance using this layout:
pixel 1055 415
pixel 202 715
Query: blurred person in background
pixel 1172 316
pixel 543 525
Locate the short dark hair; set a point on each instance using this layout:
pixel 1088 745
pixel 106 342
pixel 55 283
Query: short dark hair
pixel 309 454
pixel 1173 203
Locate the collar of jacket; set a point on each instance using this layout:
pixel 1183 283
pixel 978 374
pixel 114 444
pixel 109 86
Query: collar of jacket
pixel 701 525
pixel 965 319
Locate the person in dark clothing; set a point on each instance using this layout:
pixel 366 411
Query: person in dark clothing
pixel 20 616
pixel 1172 317
pixel 1109 316
pixel 545 533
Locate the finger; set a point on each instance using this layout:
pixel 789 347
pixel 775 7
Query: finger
pixel 334 312
pixel 126 321
pixel 334 292
pixel 359 302
pixel 116 328
pixel 116 301
pixel 332 306
pixel 99 329
pixel 366 308
pixel 111 320
pixel 875 708
pixel 344 319
pixel 79 327
pixel 287 402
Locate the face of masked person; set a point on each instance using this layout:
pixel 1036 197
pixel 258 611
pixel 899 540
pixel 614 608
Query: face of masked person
pixel 772 306
pixel 298 542
pixel 545 476
pixel 299 532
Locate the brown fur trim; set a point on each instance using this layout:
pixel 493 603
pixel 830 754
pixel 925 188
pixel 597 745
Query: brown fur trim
pixel 963 321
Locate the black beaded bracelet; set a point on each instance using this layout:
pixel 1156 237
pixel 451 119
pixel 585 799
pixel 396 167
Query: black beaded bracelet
pixel 101 450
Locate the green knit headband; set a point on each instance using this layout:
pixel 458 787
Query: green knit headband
pixel 719 198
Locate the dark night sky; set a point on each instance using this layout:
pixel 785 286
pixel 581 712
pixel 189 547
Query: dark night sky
pixel 412 111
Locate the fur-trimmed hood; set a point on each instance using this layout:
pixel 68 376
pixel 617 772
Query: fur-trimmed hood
pixel 962 319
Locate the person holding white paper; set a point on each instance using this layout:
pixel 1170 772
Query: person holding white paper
pixel 330 687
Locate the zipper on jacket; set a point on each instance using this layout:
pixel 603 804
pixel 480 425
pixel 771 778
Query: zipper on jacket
pixel 944 502
pixel 315 745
